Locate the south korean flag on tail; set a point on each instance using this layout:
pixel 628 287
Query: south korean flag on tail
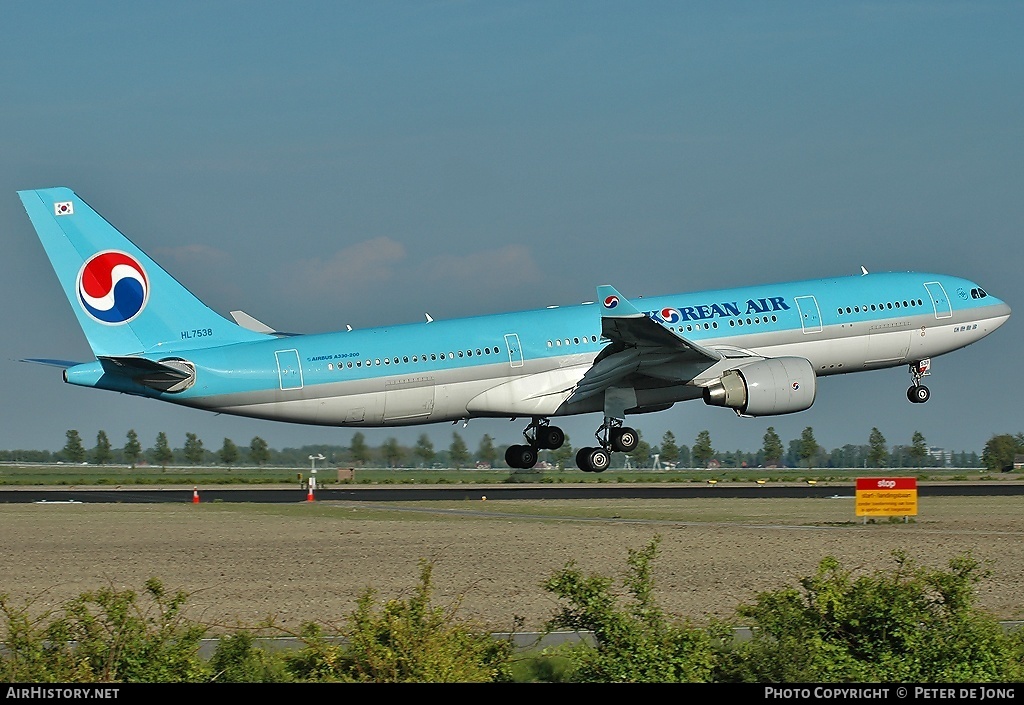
pixel 64 208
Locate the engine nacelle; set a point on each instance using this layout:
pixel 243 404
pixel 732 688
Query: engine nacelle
pixel 778 385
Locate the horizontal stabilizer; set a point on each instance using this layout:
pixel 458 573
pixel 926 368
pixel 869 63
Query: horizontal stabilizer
pixel 52 363
pixel 248 322
pixel 166 376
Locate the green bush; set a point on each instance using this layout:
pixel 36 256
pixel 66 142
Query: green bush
pixel 405 641
pixel 908 625
pixel 238 660
pixel 636 642
pixel 911 624
pixel 105 636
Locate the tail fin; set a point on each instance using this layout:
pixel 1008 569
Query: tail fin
pixel 125 302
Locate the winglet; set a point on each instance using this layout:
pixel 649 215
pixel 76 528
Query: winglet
pixel 614 304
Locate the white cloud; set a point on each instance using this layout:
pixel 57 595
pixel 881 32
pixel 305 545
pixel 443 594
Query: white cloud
pixel 349 271
pixel 490 271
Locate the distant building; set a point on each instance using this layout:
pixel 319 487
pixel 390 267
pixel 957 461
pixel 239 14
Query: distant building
pixel 941 456
pixel 1018 462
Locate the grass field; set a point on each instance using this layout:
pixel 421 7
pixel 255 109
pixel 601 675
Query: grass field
pixel 244 562
pixel 99 475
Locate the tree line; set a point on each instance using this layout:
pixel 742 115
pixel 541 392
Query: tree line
pixel 999 454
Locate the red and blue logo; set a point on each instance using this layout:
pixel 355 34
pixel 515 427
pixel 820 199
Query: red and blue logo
pixel 670 315
pixel 113 287
pixel 611 301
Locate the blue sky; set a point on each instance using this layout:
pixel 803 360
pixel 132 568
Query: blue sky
pixel 324 164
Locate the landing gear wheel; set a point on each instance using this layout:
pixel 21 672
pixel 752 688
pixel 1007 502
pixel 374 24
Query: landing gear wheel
pixel 598 459
pixel 625 439
pixel 523 457
pixel 919 394
pixel 550 437
pixel 583 459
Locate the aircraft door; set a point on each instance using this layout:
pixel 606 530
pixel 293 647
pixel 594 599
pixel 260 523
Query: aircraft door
pixel 515 350
pixel 810 316
pixel 940 302
pixel 289 369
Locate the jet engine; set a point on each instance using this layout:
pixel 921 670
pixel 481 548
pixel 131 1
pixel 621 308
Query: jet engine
pixel 778 385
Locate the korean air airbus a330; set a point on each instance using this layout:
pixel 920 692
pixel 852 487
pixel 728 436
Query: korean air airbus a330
pixel 757 350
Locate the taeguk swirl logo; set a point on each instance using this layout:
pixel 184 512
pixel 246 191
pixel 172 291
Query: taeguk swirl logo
pixel 113 287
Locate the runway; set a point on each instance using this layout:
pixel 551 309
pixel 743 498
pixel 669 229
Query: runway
pixel 424 493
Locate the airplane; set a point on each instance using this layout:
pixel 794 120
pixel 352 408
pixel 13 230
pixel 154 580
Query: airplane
pixel 757 350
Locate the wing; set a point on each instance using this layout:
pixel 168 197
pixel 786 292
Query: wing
pixel 640 348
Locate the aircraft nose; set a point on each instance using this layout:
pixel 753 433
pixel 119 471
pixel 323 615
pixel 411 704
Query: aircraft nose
pixel 1001 312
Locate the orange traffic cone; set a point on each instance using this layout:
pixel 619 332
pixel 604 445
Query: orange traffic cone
pixel 309 495
pixel 195 495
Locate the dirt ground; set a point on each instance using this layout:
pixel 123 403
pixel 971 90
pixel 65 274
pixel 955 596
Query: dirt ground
pixel 242 563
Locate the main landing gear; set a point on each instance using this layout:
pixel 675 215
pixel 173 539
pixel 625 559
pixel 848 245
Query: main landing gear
pixel 918 393
pixel 612 436
pixel 540 435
